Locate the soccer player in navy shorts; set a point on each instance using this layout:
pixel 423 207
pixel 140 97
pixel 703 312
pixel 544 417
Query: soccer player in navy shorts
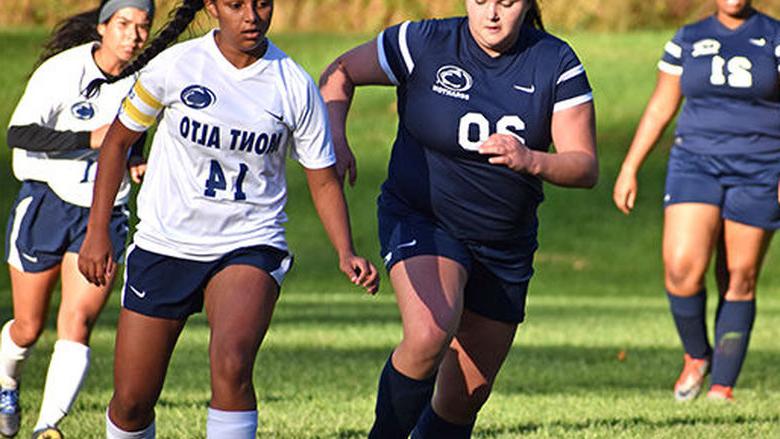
pixel 721 185
pixel 55 133
pixel 480 99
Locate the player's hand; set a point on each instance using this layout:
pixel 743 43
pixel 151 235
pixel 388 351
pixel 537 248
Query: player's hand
pixel 360 272
pixel 97 135
pixel 96 262
pixel 507 150
pixel 624 193
pixel 345 161
pixel 136 167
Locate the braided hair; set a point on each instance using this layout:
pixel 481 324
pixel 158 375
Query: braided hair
pixel 534 16
pixel 71 32
pixel 182 17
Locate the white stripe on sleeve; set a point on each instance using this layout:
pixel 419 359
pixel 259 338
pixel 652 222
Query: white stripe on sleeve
pixel 670 68
pixel 573 102
pixel 673 49
pixel 777 51
pixel 571 73
pixel 403 43
pixel 380 50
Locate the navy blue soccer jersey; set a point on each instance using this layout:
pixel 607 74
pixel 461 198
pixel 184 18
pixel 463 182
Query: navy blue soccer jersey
pixel 451 97
pixel 730 83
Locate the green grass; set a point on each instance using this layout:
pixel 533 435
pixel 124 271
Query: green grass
pixel 598 291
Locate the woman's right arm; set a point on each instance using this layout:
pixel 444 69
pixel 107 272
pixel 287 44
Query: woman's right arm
pixel 96 261
pixel 359 66
pixel 659 112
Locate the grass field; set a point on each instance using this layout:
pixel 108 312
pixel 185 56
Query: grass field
pixel 598 291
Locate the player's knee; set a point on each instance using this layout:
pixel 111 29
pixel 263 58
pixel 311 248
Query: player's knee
pixel 75 326
pixel 232 367
pixel 742 283
pixel 26 331
pixel 427 344
pixel 682 278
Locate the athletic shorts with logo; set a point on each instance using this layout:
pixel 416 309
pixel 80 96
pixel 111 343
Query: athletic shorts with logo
pixel 42 228
pixel 172 288
pixel 743 186
pixel 498 274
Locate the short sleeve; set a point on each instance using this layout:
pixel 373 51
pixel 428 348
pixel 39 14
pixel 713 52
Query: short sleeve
pixel 312 146
pixel 139 110
pixel 571 87
pixel 672 60
pixel 39 102
pixel 399 46
pixel 777 49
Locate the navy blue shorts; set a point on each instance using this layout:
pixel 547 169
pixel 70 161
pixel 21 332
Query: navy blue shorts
pixel 743 186
pixel 498 274
pixel 172 288
pixel 42 228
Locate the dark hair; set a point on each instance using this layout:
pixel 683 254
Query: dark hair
pixel 534 16
pixel 71 32
pixel 181 19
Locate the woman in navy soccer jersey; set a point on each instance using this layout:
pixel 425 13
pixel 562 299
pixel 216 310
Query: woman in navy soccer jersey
pixel 230 105
pixel 54 133
pixel 721 186
pixel 480 98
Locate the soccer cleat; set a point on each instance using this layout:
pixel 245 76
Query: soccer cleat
pixel 691 379
pixel 10 413
pixel 720 393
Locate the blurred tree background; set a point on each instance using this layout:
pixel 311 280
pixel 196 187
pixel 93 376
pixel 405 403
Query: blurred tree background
pixel 371 15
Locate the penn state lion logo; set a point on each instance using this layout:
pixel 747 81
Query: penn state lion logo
pixel 707 46
pixel 83 110
pixel 453 81
pixel 198 97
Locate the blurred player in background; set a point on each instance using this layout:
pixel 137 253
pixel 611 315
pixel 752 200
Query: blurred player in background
pixel 721 185
pixel 480 99
pixel 54 133
pixel 211 208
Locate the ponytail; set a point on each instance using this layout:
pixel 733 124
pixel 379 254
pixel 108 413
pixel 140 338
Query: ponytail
pixel 534 16
pixel 182 17
pixel 71 32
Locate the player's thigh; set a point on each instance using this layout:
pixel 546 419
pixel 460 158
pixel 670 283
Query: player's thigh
pixel 471 365
pixel 81 301
pixel 143 349
pixel 429 292
pixel 32 294
pixel 239 303
pixel 690 234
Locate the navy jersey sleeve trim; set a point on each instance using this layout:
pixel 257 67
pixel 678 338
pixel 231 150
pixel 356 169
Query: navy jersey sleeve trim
pixel 38 138
pixel 382 56
pixel 671 61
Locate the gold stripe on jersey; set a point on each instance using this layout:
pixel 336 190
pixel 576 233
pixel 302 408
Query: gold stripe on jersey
pixel 146 97
pixel 137 115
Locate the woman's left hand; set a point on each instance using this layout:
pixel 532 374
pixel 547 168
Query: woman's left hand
pixel 136 166
pixel 507 150
pixel 360 272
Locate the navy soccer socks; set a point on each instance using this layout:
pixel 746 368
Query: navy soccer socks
pixel 732 334
pixel 690 314
pixel 432 426
pixel 399 403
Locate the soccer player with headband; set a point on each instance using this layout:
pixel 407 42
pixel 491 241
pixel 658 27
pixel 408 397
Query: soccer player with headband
pixel 229 106
pixel 55 133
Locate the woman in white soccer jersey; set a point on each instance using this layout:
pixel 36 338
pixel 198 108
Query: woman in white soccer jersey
pixel 480 98
pixel 55 132
pixel 211 208
pixel 721 184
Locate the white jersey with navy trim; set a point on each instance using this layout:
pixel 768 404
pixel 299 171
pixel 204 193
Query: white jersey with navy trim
pixel 731 83
pixel 451 97
pixel 216 174
pixel 54 98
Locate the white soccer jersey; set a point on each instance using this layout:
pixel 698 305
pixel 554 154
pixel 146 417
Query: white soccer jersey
pixel 54 99
pixel 216 175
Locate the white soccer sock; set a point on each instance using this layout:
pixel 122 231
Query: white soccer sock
pixel 12 358
pixel 67 369
pixel 231 425
pixel 114 432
